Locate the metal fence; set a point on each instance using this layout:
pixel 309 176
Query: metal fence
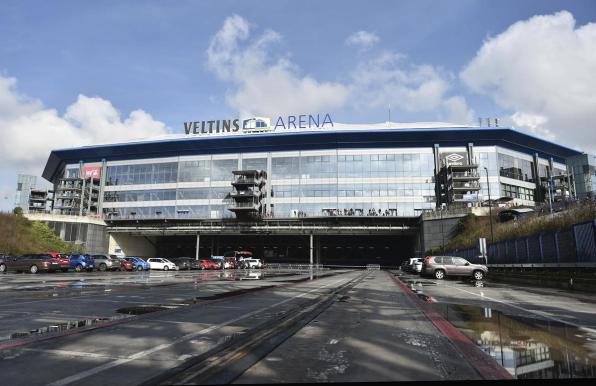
pixel 571 247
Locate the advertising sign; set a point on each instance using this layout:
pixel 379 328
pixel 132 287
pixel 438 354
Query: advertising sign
pixel 454 158
pixel 259 124
pixel 92 172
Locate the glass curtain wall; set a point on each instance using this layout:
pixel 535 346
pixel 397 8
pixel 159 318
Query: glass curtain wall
pixel 334 192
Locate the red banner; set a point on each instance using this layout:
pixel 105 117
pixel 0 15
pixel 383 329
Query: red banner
pixel 92 172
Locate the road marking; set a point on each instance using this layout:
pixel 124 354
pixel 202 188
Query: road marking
pixel 71 353
pixel 535 312
pixel 140 354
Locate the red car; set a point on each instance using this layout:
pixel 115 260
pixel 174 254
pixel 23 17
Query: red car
pixel 61 259
pixel 230 262
pixel 124 264
pixel 209 264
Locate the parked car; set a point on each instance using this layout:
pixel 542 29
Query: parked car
pixel 230 262
pixel 138 263
pixel 62 260
pixel 125 264
pixel 442 266
pixel 106 263
pixel 161 263
pixel 411 262
pixel 216 263
pixel 251 263
pixel 206 264
pixel 186 263
pixel 417 265
pixel 3 258
pixel 80 262
pixel 32 263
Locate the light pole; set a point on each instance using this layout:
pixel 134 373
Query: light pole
pixel 442 233
pixel 490 212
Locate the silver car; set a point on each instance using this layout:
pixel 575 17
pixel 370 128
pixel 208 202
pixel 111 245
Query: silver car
pixel 106 262
pixel 441 266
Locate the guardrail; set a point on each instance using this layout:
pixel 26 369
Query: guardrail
pixel 545 265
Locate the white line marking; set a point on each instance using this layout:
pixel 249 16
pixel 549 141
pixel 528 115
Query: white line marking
pixel 535 312
pixel 71 353
pixel 140 354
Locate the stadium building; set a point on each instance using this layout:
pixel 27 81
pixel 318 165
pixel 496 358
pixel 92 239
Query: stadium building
pixel 301 188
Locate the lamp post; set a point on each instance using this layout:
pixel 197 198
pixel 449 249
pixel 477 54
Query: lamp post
pixel 442 233
pixel 490 212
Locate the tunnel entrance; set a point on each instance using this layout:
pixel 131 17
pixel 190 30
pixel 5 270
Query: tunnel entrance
pixel 327 249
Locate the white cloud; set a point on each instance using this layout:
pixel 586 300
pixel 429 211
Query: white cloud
pixel 30 130
pixel 543 70
pixel 390 79
pixel 263 85
pixel 362 39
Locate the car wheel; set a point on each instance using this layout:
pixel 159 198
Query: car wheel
pixel 64 269
pixel 478 275
pixel 33 269
pixel 3 268
pixel 78 268
pixel 102 267
pixel 165 268
pixel 139 268
pixel 439 274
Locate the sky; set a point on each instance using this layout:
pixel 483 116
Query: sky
pixel 75 73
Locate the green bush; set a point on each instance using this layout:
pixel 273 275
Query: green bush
pixel 18 236
pixel 471 227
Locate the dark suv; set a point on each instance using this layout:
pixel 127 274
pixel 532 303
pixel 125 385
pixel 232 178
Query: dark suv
pixel 441 266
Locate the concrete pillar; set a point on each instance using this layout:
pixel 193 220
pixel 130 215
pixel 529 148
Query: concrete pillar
pixel 102 183
pixel 268 186
pixel 436 174
pixel 198 243
pixel 81 201
pixel 90 195
pixel 311 248
pixel 538 195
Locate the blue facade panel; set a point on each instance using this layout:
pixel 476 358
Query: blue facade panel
pixel 386 138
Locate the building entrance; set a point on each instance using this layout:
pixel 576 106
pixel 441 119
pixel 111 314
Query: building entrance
pixel 327 249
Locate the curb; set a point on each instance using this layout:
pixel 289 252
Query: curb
pixel 484 364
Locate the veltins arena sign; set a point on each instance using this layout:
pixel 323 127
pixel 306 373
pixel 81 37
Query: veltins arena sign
pixel 259 124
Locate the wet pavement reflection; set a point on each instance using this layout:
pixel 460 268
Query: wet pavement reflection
pixel 60 327
pixel 528 348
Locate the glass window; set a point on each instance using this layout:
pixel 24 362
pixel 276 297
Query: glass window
pixel 142 174
pixel 221 169
pixel 285 167
pixel 193 194
pixel 254 164
pixel 515 168
pixel 447 260
pixel 194 171
pixel 140 195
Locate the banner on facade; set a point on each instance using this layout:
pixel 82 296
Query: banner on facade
pixel 92 172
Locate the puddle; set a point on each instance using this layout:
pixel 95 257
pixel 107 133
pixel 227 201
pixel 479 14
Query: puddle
pixel 232 293
pixel 420 282
pixel 527 347
pixel 140 310
pixel 62 326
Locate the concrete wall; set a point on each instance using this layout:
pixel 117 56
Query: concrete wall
pixel 85 231
pixel 434 231
pixel 122 244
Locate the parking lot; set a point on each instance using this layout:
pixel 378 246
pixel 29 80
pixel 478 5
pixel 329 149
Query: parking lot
pixel 286 325
pixel 532 331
